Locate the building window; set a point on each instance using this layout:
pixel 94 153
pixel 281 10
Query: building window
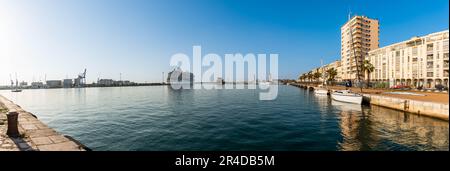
pixel 445 43
pixel 429 74
pixel 429 65
pixel 430 57
pixel 430 47
pixel 414 51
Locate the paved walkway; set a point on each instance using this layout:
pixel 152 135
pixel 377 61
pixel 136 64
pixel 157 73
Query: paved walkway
pixel 435 97
pixel 34 135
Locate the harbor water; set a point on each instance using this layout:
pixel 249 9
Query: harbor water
pixel 156 118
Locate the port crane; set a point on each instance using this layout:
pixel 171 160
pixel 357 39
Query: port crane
pixel 81 80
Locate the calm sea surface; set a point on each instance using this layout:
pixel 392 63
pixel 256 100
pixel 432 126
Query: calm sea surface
pixel 158 118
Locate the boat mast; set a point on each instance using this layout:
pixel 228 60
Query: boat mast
pixel 321 65
pixel 17 82
pixel 354 54
pixel 12 82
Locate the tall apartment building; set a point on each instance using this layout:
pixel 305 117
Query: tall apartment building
pixel 420 61
pixel 365 32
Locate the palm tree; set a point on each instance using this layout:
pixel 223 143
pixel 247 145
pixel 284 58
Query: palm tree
pixel 332 73
pixel 301 77
pixel 317 75
pixel 368 68
pixel 309 75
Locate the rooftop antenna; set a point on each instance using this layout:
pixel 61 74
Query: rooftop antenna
pixel 349 13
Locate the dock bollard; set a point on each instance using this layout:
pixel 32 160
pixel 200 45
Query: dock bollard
pixel 13 129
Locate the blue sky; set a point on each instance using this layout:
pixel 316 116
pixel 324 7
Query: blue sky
pixel 137 38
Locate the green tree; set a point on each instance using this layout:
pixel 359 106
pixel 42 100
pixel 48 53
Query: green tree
pixel 302 77
pixel 332 73
pixel 367 68
pixel 309 76
pixel 317 75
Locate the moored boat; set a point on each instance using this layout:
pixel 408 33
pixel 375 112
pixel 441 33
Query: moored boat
pixel 347 96
pixel 320 90
pixel 16 89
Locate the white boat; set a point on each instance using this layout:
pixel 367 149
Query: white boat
pixel 347 96
pixel 320 90
pixel 16 89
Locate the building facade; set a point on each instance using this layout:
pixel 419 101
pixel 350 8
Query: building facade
pixel 54 83
pixel 67 83
pixel 365 33
pixel 105 82
pixel 418 62
pixel 37 85
pixel 337 66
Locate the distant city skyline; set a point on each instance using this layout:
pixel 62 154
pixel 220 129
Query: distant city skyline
pixel 134 40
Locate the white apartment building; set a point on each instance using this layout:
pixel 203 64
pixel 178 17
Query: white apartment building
pixel 420 61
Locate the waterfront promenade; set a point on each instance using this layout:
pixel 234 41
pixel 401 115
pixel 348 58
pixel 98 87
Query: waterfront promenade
pixel 432 104
pixel 435 97
pixel 34 135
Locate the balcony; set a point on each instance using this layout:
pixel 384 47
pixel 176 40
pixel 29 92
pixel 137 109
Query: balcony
pixel 357 45
pixel 357 31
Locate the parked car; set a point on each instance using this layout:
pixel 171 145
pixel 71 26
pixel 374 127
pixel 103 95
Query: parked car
pixel 400 87
pixel 439 87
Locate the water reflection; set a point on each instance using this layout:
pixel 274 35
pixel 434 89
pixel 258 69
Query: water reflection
pixel 373 128
pixel 160 118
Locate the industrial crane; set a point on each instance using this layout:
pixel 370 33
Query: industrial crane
pixel 81 80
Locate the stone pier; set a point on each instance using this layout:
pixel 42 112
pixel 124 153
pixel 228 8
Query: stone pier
pixel 435 110
pixel 33 134
pixel 419 107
